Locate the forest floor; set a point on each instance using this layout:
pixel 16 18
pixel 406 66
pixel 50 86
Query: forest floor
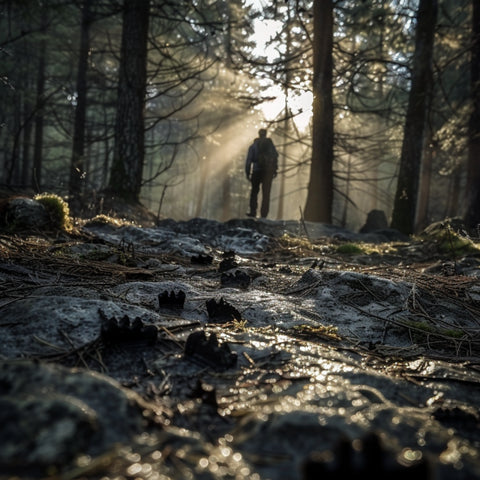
pixel 250 349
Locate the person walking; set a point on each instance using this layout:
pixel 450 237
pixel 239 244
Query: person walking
pixel 261 168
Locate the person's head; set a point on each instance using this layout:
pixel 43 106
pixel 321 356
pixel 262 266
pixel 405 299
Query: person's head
pixel 262 133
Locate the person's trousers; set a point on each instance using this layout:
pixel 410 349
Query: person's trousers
pixel 265 180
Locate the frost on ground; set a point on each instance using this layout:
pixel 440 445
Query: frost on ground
pixel 375 351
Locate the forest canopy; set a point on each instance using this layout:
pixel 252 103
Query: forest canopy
pixel 372 105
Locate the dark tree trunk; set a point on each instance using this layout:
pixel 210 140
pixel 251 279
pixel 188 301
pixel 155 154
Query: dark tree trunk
pixel 405 204
pixel 453 194
pixel 77 165
pixel 472 215
pixel 106 158
pixel 39 119
pixel 13 169
pixel 128 156
pixel 422 218
pixel 27 140
pixel 319 202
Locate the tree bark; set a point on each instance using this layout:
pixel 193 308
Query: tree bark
pixel 405 204
pixel 77 166
pixel 39 119
pixel 422 218
pixel 27 139
pixel 319 202
pixel 472 215
pixel 128 157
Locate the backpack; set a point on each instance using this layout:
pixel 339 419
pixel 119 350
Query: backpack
pixel 265 154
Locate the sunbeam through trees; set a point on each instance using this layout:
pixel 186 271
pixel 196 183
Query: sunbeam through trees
pixel 156 103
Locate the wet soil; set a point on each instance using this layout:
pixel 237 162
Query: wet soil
pixel 253 352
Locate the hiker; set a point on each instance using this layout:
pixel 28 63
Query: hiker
pixel 261 168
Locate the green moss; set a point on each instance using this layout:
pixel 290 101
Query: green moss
pixel 350 249
pixel 427 328
pixel 452 242
pixel 453 333
pixel 448 240
pixel 57 209
pixel 102 219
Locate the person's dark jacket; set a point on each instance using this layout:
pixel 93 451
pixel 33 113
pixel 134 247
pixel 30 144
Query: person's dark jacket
pixel 252 163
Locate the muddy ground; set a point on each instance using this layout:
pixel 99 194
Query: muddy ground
pixel 246 350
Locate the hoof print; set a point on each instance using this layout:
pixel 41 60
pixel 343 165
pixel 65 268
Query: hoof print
pixel 222 312
pixel 456 417
pixel 202 259
pixel 238 279
pixel 367 460
pixel 172 299
pixel 123 331
pixel 208 351
pixel 228 261
pixel 206 393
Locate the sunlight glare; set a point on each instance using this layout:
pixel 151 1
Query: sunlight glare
pixel 301 107
pixel 271 109
pixel 300 104
pixel 264 31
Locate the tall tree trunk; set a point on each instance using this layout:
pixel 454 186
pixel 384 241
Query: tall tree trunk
pixel 422 219
pixel 202 184
pixel 77 167
pixel 453 194
pixel 39 118
pixel 283 163
pixel 106 158
pixel 472 215
pixel 348 182
pixel 383 157
pixel 319 202
pixel 27 139
pixel 405 204
pixel 13 168
pixel 128 155
pixel 226 198
pixel 286 123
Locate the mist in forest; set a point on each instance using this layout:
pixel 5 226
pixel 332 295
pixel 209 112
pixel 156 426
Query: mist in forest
pixel 208 176
pixel 216 186
pixel 217 72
